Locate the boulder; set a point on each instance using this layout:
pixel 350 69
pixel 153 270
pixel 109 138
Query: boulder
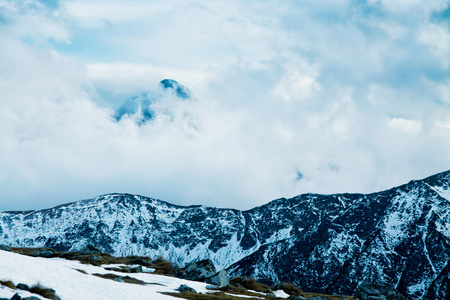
pixel 208 287
pixel 5 248
pixel 366 291
pixel 142 262
pixel 137 269
pixel 185 289
pixel 43 253
pixel 199 271
pixel 219 279
pixel 90 249
pixel 95 259
pixel 22 286
pixel 16 297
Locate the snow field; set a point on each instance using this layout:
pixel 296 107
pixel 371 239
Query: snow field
pixel 62 276
pixel 65 278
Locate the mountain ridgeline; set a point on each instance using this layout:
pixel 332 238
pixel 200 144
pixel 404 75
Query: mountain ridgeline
pixel 322 243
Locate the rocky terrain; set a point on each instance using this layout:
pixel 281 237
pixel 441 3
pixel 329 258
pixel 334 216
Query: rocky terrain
pixel 321 243
pixel 92 274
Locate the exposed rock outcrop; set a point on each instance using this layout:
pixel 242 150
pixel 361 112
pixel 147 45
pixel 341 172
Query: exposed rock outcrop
pixel 367 291
pixel 199 270
pixel 187 289
pixel 219 279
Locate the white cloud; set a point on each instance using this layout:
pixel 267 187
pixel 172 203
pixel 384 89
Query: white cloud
pixel 299 83
pixel 407 126
pixel 31 19
pixel 417 6
pixel 100 13
pixel 130 78
pixel 282 88
pixel 438 38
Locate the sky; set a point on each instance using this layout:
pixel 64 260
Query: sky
pixel 291 97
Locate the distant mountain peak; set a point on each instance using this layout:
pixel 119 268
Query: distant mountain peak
pixel 180 90
pixel 141 109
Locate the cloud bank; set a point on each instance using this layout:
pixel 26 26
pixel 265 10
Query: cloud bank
pixel 324 97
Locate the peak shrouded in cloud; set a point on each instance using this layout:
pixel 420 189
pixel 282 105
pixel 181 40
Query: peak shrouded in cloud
pixel 141 108
pixel 179 90
pixel 352 96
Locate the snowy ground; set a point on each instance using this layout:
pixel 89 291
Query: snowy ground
pixel 62 276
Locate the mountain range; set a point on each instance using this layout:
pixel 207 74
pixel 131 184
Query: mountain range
pixel 321 243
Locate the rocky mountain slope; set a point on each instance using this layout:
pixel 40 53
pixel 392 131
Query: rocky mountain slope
pixel 400 237
pixel 322 243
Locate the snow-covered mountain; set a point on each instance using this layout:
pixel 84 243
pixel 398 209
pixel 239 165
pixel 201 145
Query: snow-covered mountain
pixel 322 243
pixel 141 108
pixel 399 237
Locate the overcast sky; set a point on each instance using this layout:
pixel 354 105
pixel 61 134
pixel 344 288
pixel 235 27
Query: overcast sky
pixel 292 97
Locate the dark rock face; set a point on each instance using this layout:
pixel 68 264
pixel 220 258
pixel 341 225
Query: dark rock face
pixel 398 237
pixel 321 243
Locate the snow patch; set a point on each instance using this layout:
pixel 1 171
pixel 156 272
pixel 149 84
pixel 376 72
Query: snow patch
pixel 443 192
pixel 394 229
pixel 280 294
pixel 279 235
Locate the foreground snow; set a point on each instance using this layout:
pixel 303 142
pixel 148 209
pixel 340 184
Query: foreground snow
pixel 69 283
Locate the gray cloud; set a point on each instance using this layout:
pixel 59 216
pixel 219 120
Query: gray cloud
pixel 354 96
